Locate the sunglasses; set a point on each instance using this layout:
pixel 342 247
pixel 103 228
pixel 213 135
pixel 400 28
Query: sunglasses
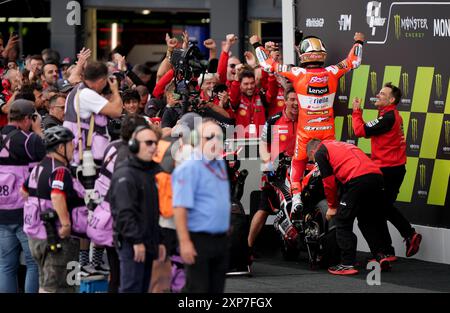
pixel 150 143
pixel 212 136
pixel 232 65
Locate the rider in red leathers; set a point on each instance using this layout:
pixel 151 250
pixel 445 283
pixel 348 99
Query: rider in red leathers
pixel 316 87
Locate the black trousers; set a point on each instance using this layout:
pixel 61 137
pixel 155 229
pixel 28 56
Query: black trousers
pixel 361 198
pixel 207 274
pixel 114 265
pixel 134 277
pixel 393 178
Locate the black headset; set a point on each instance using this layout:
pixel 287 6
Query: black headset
pixel 133 143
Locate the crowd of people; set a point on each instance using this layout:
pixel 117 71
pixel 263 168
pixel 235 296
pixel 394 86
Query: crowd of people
pixel 95 158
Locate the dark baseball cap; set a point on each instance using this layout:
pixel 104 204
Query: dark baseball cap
pixel 21 108
pixel 64 85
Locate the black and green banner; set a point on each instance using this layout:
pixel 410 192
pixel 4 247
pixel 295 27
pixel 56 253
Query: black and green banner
pixel 408 44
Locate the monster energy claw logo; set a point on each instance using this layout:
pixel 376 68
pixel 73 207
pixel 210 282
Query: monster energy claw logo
pixel 397 26
pixel 447 133
pixel 342 84
pixel 373 82
pixel 405 82
pixel 414 129
pixel 422 175
pixel 349 126
pixel 438 80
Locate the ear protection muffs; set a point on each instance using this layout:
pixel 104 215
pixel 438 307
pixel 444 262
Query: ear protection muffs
pixel 133 143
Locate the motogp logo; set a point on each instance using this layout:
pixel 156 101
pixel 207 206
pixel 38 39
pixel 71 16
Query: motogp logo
pixel 317 79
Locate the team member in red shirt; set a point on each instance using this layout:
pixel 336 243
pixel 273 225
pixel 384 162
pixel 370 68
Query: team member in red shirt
pixel 361 197
pixel 226 69
pixel 278 136
pixel 389 152
pixel 248 102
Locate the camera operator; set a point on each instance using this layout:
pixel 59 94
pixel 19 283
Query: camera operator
pixel 51 189
pixel 19 148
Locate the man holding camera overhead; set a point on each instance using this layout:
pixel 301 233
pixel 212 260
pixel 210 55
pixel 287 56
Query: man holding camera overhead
pixel 20 145
pixel 86 116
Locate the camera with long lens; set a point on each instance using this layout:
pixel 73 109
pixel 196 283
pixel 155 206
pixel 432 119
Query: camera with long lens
pixel 190 64
pixel 49 219
pixel 114 127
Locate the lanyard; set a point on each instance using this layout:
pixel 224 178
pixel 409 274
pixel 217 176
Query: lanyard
pixel 222 175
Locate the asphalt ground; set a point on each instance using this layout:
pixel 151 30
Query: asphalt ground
pixel 271 274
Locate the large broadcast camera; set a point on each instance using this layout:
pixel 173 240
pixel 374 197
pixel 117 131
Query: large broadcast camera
pixel 189 65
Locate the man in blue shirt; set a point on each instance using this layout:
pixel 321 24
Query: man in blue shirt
pixel 201 201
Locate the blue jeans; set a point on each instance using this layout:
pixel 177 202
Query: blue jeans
pixel 134 277
pixel 12 241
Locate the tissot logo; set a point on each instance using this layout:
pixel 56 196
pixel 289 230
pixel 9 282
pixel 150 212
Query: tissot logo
pixel 373 15
pixel 315 22
pixel 345 22
pixel 317 90
pixel 441 27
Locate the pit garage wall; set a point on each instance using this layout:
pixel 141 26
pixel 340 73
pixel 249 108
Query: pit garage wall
pixel 406 44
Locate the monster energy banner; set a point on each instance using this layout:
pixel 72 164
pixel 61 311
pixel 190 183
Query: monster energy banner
pixel 407 43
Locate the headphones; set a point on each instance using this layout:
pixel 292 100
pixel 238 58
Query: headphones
pixel 133 143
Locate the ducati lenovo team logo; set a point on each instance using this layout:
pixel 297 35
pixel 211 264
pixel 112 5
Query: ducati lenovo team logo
pixel 317 90
pixel 373 15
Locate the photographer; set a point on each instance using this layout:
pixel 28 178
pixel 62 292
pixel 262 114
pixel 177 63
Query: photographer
pixel 90 127
pixel 19 147
pixel 92 105
pixel 51 189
